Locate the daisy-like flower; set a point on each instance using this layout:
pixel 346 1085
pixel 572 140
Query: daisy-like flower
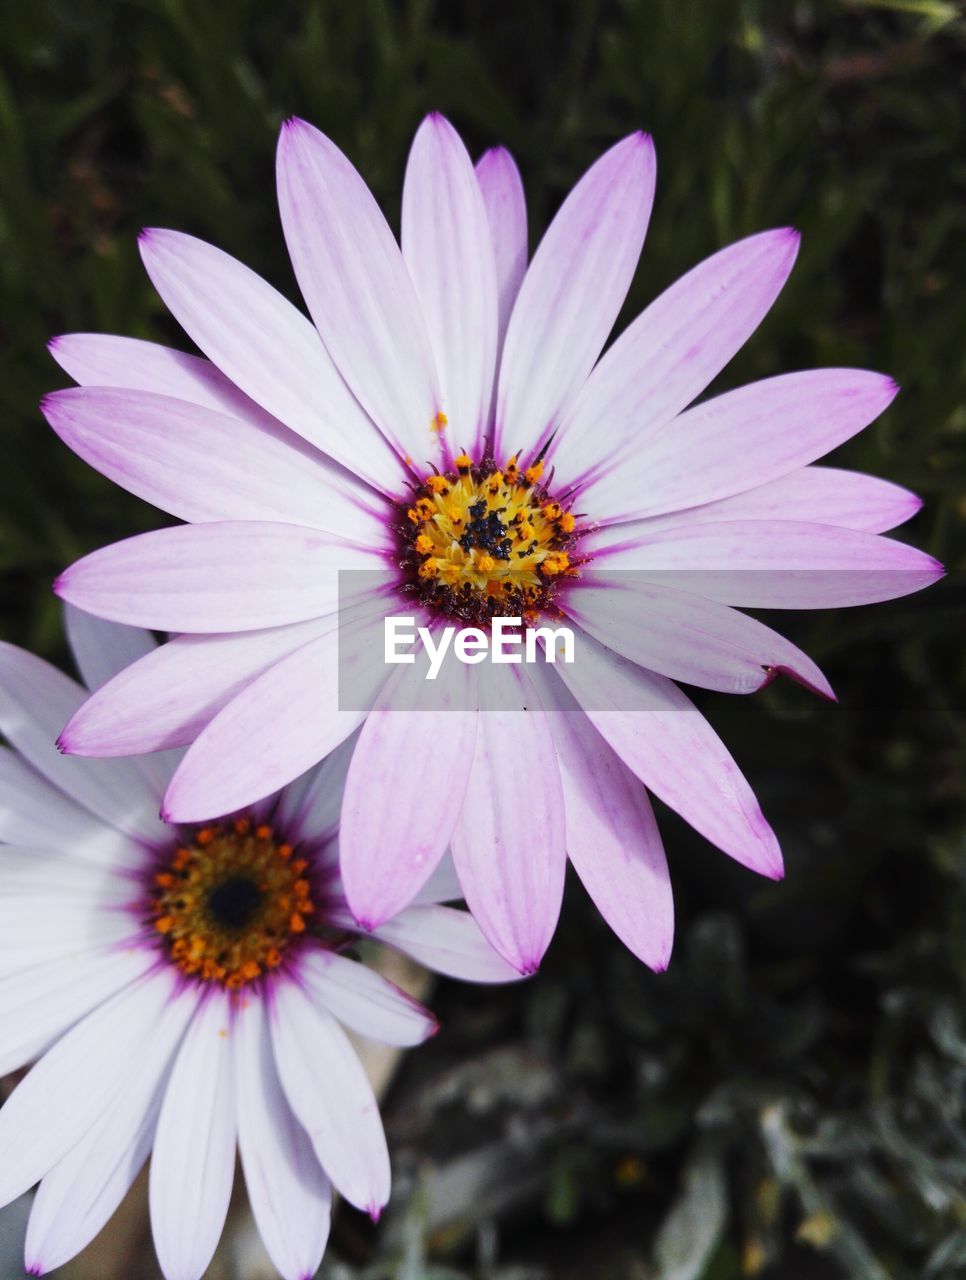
pixel 183 992
pixel 449 422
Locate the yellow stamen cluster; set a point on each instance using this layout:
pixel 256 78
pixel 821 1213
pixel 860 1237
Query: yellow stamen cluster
pixel 482 540
pixel 226 906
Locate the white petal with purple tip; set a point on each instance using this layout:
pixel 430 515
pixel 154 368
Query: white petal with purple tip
pixel 364 1001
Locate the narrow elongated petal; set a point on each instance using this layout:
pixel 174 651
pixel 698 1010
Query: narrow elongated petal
pixel 687 637
pixel 73 1084
pixel 167 697
pixel 572 292
pixel 36 701
pixel 447 941
pixel 341 1117
pixel 291 711
pixel 201 465
pixel 394 828
pixel 210 578
pixel 663 738
pixel 673 350
pixel 508 843
pixel 612 835
pixel 824 495
pixel 365 1001
pixel 193 1162
pixel 102 650
pixel 738 440
pixel 267 348
pixel 357 288
pixel 35 813
pixel 81 1191
pixel 777 564
pixel 506 211
pixel 42 1002
pixel 290 1196
pixel 447 247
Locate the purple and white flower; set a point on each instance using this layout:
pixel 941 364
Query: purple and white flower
pixel 449 422
pixel 182 992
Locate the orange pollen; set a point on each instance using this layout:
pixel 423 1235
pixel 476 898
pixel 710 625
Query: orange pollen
pixel 226 907
pixel 440 421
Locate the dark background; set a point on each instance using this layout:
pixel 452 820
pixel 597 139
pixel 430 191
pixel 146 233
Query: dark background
pixel 788 1100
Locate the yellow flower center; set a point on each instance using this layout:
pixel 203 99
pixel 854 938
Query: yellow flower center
pixel 226 907
pixel 485 541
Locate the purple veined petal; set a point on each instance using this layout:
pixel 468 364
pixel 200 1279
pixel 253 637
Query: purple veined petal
pixel 394 828
pixel 448 941
pixel 103 360
pixel 292 711
pixel 308 808
pixel 290 1196
pixel 102 650
pixel 193 1161
pixel 212 578
pixel 612 835
pixel 80 1193
pixel 165 699
pixel 663 738
pixel 268 349
pixel 78 1080
pixel 447 247
pixel 358 291
pixel 36 701
pixel 737 441
pixel 825 495
pixel 39 1004
pixel 686 636
pixel 342 1118
pixel 364 1001
pixel 673 350
pixel 572 291
pixel 506 211
pixel 775 564
pixel 35 813
pixel 202 465
pixel 508 843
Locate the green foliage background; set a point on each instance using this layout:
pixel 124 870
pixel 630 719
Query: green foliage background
pixel 788 1101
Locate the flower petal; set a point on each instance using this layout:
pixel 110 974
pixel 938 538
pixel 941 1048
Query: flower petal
pixel 673 350
pixel 612 836
pixel 81 1192
pixel 774 564
pixel 687 637
pixel 394 828
pixel 40 1003
pixel 291 711
pixel 364 1001
pixel 508 843
pixel 447 941
pixel 572 292
pixel 290 1196
pixel 268 349
pixel 506 212
pixel 35 813
pixel 447 247
pixel 201 465
pixel 167 697
pixel 738 440
pixel 342 1118
pixel 826 495
pixel 77 1081
pixel 663 738
pixel 193 1163
pixel 210 578
pixel 357 288
pixel 36 701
